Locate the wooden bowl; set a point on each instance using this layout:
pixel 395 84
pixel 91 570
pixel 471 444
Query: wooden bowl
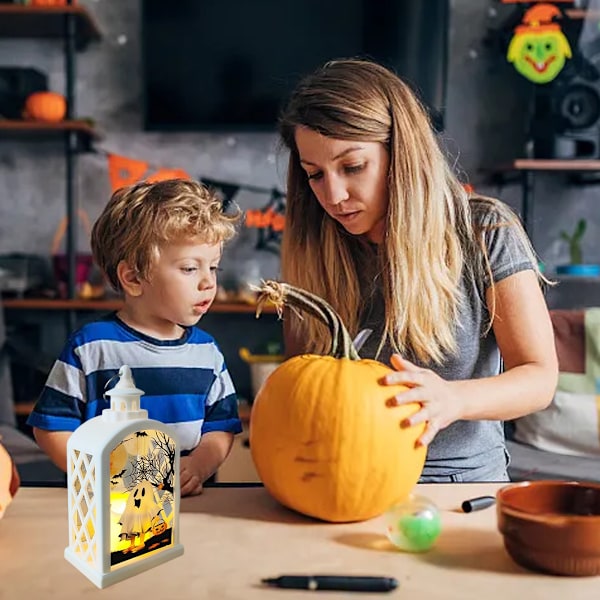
pixel 551 526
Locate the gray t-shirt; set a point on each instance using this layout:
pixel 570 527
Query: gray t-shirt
pixel 464 446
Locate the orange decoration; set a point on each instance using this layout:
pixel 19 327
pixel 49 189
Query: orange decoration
pixel 124 171
pixel 539 19
pixel 45 106
pixel 51 2
pixel 268 218
pixel 164 174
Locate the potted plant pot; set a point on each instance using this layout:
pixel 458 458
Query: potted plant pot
pixel 581 270
pixel 577 267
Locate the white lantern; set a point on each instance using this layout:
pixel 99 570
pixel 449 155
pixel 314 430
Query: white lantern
pixel 123 486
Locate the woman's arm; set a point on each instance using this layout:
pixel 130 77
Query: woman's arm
pixel 525 337
pixel 524 334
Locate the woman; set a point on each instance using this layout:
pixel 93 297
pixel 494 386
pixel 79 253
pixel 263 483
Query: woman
pixel 378 225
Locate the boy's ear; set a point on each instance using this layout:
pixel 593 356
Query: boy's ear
pixel 129 279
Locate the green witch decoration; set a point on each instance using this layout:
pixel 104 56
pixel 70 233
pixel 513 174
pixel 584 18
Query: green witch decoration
pixel 539 49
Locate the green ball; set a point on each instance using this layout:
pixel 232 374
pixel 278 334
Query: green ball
pixel 420 530
pixel 414 524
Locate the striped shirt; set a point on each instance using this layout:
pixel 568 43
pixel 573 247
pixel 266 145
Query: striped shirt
pixel 185 382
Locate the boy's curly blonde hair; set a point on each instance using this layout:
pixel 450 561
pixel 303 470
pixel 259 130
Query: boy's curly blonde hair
pixel 141 218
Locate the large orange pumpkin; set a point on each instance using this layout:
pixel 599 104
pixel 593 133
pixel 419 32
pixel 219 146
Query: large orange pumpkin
pixel 323 437
pixel 46 106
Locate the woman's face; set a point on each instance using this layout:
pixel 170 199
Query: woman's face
pixel 349 179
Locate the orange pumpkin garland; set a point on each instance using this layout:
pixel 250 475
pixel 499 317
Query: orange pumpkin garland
pixel 323 438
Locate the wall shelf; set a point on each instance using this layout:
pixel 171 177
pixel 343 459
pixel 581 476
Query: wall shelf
pixel 17 21
pixel 547 164
pixel 582 13
pixel 523 170
pixel 115 304
pixel 27 130
pixel 75 27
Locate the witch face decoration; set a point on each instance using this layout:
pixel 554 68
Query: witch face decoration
pixel 539 49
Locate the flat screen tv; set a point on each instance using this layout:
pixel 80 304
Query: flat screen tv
pixel 230 65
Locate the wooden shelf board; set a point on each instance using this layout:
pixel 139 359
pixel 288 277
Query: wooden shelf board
pixel 17 21
pixel 23 409
pixel 244 410
pixel 14 128
pixel 549 164
pixel 582 13
pixel 115 304
pixel 539 164
pixel 572 13
pixel 563 278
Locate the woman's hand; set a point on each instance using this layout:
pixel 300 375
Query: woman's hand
pixel 440 405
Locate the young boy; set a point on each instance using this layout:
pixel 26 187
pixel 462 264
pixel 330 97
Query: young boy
pixel 160 245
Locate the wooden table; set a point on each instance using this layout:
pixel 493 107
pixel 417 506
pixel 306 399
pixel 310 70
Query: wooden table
pixel 234 536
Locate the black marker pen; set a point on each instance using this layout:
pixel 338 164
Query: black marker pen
pixel 334 582
pixel 478 503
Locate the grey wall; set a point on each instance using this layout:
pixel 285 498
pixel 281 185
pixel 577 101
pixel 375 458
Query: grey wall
pixel 484 118
pixel 485 123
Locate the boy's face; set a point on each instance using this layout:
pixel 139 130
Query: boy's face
pixel 182 283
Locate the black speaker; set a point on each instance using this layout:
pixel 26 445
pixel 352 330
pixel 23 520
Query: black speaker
pixel 16 83
pixel 565 122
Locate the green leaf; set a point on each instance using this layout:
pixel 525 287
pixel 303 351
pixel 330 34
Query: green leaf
pixel 580 229
pixel 565 236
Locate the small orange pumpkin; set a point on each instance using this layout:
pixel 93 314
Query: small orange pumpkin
pixel 46 106
pixel 323 438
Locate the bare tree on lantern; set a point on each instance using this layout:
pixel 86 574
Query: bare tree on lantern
pixel 158 465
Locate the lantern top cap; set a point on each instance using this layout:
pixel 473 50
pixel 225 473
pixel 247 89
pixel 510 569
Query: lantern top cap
pixel 125 386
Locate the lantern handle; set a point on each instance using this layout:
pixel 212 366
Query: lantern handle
pixel 115 376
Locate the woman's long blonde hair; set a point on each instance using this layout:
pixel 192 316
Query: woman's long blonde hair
pixel 429 238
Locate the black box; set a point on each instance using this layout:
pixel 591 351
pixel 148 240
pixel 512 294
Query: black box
pixel 16 83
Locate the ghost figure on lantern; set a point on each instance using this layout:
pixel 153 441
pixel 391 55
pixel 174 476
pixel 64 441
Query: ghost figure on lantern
pixel 123 486
pixel 141 510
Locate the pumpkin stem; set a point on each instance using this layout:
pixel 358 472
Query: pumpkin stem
pixel 281 294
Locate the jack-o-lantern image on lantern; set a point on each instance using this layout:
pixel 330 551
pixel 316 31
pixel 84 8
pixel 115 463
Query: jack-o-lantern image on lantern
pixel 158 526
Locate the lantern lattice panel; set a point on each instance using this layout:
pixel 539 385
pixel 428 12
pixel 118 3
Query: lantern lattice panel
pixel 83 507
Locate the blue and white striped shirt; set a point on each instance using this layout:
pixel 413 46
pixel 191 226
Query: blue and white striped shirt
pixel 185 382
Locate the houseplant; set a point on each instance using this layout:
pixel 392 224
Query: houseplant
pixel 576 265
